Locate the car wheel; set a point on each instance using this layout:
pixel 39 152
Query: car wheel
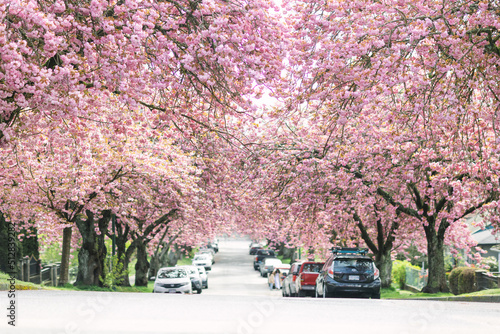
pixel 376 295
pixel 301 293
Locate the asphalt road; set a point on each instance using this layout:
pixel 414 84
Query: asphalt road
pixel 238 302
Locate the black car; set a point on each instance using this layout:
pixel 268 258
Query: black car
pixel 260 256
pixel 348 272
pixel 254 249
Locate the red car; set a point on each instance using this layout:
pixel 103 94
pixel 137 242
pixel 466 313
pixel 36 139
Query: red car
pixel 301 280
pixel 305 284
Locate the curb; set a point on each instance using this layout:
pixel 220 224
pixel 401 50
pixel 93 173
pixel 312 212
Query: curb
pixel 479 299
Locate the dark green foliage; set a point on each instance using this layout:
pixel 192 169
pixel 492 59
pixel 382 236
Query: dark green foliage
pixel 30 243
pixel 113 272
pixel 453 279
pixel 4 247
pixel 467 281
pixel 462 280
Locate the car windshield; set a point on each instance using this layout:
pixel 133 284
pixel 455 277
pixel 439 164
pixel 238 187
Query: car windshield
pixel 358 264
pixel 312 267
pixel 199 258
pixel 172 273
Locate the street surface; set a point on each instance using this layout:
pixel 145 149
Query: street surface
pixel 239 302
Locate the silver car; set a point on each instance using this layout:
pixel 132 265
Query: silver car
pixel 172 280
pixel 268 265
pixel 195 277
pixel 204 277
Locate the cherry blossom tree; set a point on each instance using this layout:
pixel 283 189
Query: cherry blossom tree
pixel 404 91
pixel 188 60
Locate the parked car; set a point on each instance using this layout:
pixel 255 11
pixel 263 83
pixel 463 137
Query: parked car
pixel 214 244
pixel 203 260
pixel 268 265
pixel 195 277
pixel 284 271
pixel 204 277
pixel 348 272
pixel 209 251
pixel 289 287
pixel 254 249
pixel 172 280
pixel 260 256
pixel 305 284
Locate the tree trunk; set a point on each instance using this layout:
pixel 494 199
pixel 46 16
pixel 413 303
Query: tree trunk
pixel 435 252
pixel 173 256
pixel 93 251
pixel 382 250
pixel 383 261
pixel 66 249
pixel 142 265
pixel 122 252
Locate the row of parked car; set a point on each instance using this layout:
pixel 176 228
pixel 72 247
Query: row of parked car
pixel 348 272
pixel 188 278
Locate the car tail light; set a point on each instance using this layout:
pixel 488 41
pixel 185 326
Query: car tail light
pixel 256 258
pixel 330 272
pixel 376 274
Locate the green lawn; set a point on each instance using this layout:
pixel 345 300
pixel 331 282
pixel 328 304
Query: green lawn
pixel 393 293
pixel 287 261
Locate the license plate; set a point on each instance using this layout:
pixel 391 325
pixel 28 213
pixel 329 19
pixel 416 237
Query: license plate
pixel 172 291
pixel 353 277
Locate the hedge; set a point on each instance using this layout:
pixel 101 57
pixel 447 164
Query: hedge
pixel 462 280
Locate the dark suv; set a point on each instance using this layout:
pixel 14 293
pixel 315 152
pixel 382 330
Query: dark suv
pixel 348 272
pixel 260 256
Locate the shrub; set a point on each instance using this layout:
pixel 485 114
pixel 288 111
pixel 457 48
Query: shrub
pixel 462 280
pixel 399 272
pixel 113 276
pixel 453 279
pixel 467 281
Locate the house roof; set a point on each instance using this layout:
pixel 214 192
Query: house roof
pixel 486 237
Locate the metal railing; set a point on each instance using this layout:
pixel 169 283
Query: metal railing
pixel 416 278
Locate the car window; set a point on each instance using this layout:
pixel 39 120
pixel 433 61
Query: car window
pixel 174 273
pixel 265 252
pixel 328 263
pixel 199 257
pixel 312 267
pixel 358 264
